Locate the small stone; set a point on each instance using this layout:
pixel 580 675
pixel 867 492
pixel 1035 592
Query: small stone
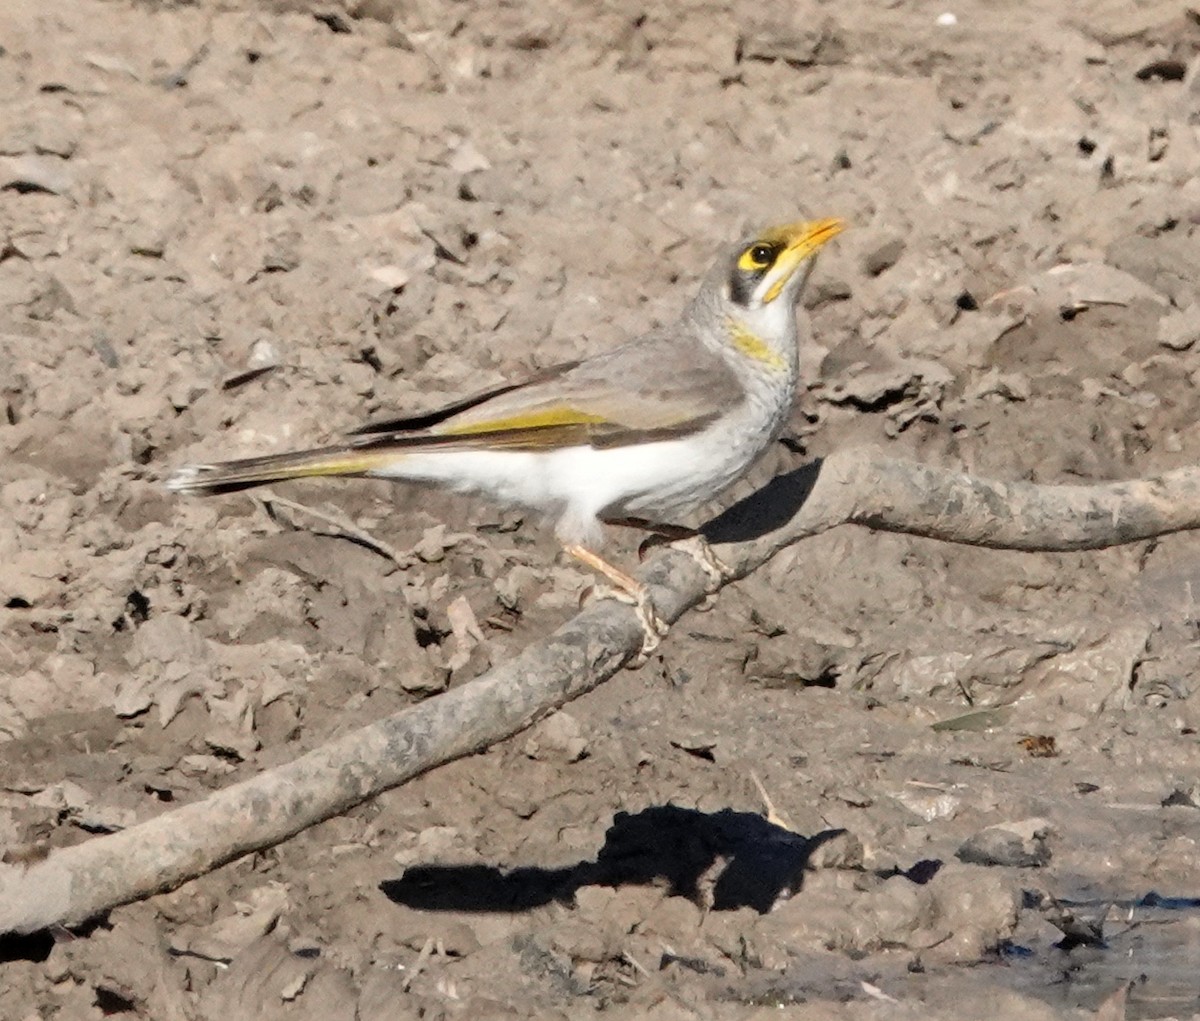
pixel 182 394
pixel 1134 375
pixel 558 737
pixel 883 256
pixel 384 11
pixel 391 276
pixel 798 42
pixel 1010 386
pixel 133 697
pixel 51 297
pixel 929 805
pixel 467 159
pixel 434 842
pixel 293 988
pixel 431 549
pixel 842 851
pixel 282 254
pixel 580 940
pixel 104 818
pixel 63 796
pixel 1016 845
pixel 36 173
pixel 30 578
pixel 1180 330
pixel 592 901
pixel 855 797
pixel 1183 795
pixel 263 354
pixel 511 588
pixel 203 765
pixel 55 136
pixel 57 967
pixel 148 241
pixel 1075 286
pixel 231 743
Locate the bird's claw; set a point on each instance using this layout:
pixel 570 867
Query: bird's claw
pixel 653 626
pixel 697 547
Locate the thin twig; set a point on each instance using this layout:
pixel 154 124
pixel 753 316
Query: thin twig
pixel 773 815
pixel 419 964
pixel 343 526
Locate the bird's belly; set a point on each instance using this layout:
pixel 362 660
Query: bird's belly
pixel 699 468
pixel 587 478
pixel 677 476
pixel 528 478
pixel 668 478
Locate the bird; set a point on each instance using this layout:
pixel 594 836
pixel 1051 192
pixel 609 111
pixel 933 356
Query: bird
pixel 639 435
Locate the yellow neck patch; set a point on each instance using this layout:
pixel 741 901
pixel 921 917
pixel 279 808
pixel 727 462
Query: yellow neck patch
pixel 754 347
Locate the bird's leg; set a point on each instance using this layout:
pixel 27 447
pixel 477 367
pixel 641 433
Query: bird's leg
pixel 687 540
pixel 626 589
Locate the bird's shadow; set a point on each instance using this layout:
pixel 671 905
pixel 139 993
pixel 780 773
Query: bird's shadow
pixel 724 860
pixel 766 509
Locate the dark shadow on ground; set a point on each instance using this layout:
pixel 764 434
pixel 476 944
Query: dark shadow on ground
pixel 35 946
pixel 765 509
pixel 724 860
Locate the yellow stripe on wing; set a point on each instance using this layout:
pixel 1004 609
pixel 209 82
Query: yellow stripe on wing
pixel 348 465
pixel 544 418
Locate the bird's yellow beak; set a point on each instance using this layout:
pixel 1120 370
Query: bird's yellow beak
pixel 800 242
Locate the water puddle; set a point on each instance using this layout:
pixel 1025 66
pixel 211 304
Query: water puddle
pixel 1151 942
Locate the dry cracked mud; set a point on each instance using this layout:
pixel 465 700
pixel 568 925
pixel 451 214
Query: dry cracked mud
pixel 228 227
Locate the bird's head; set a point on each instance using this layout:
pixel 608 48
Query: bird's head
pixel 770 268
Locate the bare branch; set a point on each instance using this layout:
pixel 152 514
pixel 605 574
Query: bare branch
pixel 863 487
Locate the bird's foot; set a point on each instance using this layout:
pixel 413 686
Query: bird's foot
pixel 654 628
pixel 628 590
pixel 688 541
pixel 718 572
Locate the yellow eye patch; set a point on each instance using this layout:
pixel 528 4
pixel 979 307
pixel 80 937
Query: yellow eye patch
pixel 757 257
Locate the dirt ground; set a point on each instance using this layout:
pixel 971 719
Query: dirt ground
pixel 232 227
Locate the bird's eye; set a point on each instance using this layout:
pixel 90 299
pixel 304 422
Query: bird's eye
pixel 758 258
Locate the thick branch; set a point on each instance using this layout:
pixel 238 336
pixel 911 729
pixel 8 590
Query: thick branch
pixel 866 487
pixel 862 487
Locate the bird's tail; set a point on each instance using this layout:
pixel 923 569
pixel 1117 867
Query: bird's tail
pixel 231 476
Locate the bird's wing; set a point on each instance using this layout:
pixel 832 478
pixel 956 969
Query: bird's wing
pixel 658 387
pixel 431 419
